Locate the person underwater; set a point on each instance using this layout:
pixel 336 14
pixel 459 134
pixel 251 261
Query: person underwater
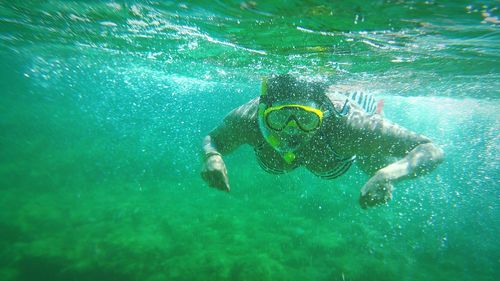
pixel 297 123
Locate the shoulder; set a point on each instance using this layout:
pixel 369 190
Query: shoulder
pixel 357 98
pixel 239 125
pixel 243 114
pixel 247 110
pixel 375 131
pixel 337 98
pixel 359 119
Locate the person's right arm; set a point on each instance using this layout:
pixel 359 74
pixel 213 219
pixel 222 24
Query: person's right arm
pixel 236 129
pixel 378 138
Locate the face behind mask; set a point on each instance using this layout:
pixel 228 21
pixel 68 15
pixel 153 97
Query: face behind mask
pixel 291 112
pixel 289 126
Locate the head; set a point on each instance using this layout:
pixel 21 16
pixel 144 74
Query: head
pixel 291 112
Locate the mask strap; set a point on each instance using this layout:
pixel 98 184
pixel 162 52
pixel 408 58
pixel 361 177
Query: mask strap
pixel 342 113
pixel 345 108
pixel 263 89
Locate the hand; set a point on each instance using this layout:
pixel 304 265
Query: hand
pixel 214 173
pixel 378 190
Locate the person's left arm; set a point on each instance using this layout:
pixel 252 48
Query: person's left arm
pixel 380 137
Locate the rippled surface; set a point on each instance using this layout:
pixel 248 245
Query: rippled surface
pixel 103 106
pixel 395 41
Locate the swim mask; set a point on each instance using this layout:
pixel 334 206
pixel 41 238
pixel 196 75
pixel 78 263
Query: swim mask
pixel 285 141
pixel 306 118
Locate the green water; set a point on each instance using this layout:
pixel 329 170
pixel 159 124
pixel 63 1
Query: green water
pixel 103 106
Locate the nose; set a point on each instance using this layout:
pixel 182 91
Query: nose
pixel 292 123
pixel 291 128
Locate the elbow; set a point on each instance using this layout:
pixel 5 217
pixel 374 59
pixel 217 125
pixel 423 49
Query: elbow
pixel 426 157
pixel 206 140
pixel 441 156
pixel 436 153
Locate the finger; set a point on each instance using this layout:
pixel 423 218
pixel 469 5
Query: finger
pixel 204 176
pixel 387 197
pixel 226 181
pixel 363 201
pixel 210 179
pixel 368 200
pixel 389 193
pixel 222 181
pixel 217 181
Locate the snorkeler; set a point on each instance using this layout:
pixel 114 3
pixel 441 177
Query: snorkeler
pixel 298 123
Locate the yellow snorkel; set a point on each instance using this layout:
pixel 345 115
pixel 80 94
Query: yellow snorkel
pixel 268 135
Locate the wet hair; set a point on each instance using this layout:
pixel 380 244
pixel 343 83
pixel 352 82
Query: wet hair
pixel 286 87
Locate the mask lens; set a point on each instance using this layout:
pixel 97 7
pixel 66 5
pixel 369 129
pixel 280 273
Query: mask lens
pixel 277 119
pixel 307 120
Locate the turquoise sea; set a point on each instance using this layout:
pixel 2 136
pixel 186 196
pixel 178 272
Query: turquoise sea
pixel 104 105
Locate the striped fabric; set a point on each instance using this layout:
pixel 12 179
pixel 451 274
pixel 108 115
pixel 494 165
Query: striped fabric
pixel 364 100
pixel 338 170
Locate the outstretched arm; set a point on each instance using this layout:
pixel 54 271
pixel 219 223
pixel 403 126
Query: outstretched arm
pixel 380 138
pixel 420 160
pixel 235 130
